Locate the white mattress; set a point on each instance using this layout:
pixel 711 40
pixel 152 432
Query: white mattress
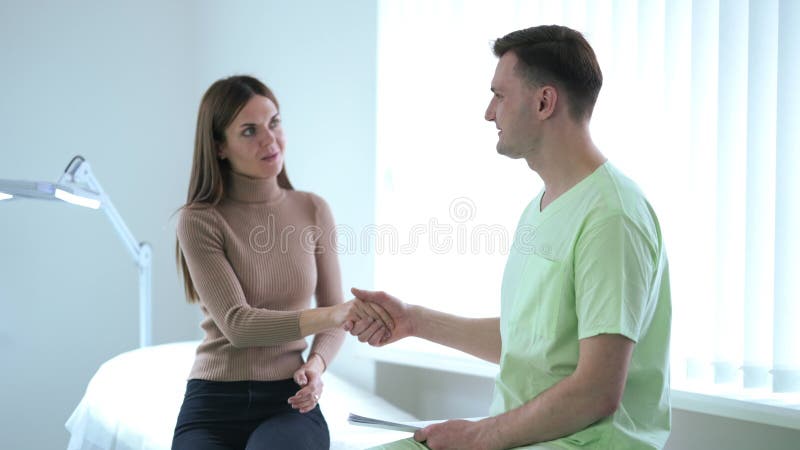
pixel 132 402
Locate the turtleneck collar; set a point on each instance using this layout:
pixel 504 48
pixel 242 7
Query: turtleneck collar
pixel 245 189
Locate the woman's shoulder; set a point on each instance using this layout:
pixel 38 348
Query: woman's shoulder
pixel 197 215
pixel 308 198
pixel 314 203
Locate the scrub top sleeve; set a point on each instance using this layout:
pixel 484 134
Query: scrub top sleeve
pixel 614 267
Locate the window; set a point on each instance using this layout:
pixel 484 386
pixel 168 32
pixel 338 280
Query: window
pixel 700 105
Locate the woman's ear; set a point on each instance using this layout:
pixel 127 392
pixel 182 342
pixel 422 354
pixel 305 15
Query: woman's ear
pixel 221 151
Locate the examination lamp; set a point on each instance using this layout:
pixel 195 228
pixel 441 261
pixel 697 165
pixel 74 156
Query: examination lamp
pixel 78 186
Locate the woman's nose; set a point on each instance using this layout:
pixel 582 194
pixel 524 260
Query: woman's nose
pixel 268 137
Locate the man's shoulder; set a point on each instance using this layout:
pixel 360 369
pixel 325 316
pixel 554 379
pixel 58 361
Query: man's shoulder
pixel 616 194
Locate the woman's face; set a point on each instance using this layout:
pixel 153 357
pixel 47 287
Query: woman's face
pixel 254 141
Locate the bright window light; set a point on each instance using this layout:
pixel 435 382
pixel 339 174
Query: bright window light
pixel 699 106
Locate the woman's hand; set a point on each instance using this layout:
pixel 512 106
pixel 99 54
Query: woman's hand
pixel 373 309
pixel 309 378
pixel 340 313
pixel 370 322
pixel 314 320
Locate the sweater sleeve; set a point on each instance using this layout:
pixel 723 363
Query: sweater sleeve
pixel 201 240
pixel 329 280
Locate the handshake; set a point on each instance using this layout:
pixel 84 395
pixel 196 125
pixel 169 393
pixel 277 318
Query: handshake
pixel 378 318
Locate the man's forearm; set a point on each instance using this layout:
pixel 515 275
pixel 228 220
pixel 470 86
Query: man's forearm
pixel 592 392
pixel 566 408
pixel 478 337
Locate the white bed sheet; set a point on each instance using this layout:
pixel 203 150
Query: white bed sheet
pixel 132 402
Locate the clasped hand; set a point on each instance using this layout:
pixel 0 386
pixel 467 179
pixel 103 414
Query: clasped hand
pixel 378 318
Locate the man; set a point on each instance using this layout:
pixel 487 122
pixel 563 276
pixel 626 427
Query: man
pixel 583 336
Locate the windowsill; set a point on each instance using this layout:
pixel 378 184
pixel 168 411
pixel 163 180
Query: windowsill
pixel 420 353
pixel 757 407
pixel 765 408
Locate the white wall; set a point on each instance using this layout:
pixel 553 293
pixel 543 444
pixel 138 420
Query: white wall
pixel 119 83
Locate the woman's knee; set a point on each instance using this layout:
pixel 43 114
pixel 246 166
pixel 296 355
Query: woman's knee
pixel 292 430
pixel 200 440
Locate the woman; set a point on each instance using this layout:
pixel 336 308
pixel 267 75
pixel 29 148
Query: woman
pixel 253 251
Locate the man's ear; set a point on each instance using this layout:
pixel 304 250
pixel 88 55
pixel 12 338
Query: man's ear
pixel 547 99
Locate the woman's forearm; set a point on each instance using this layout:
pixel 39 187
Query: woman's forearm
pixel 313 321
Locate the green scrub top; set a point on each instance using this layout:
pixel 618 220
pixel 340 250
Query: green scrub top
pixel 593 262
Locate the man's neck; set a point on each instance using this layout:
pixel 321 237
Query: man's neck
pixel 563 162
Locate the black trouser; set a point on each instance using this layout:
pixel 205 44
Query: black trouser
pixel 247 415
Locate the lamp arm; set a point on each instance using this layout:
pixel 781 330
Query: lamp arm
pixel 80 172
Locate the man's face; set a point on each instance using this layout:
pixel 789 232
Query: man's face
pixel 511 109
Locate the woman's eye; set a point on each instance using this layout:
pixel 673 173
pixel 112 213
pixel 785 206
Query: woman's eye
pixel 275 122
pixel 249 131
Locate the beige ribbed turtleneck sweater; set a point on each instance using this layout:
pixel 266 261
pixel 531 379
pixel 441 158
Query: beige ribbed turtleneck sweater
pixel 256 259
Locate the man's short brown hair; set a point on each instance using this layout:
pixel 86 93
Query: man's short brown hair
pixel 557 55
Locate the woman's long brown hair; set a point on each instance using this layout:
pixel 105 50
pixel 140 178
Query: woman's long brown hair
pixel 219 106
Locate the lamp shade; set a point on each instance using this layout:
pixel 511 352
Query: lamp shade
pixel 45 190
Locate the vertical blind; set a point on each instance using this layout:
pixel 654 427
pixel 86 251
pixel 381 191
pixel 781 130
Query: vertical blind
pixel 700 105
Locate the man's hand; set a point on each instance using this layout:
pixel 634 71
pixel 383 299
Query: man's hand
pixel 459 434
pixel 371 311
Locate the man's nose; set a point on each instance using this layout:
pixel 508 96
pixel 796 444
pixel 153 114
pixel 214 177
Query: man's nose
pixel 489 114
